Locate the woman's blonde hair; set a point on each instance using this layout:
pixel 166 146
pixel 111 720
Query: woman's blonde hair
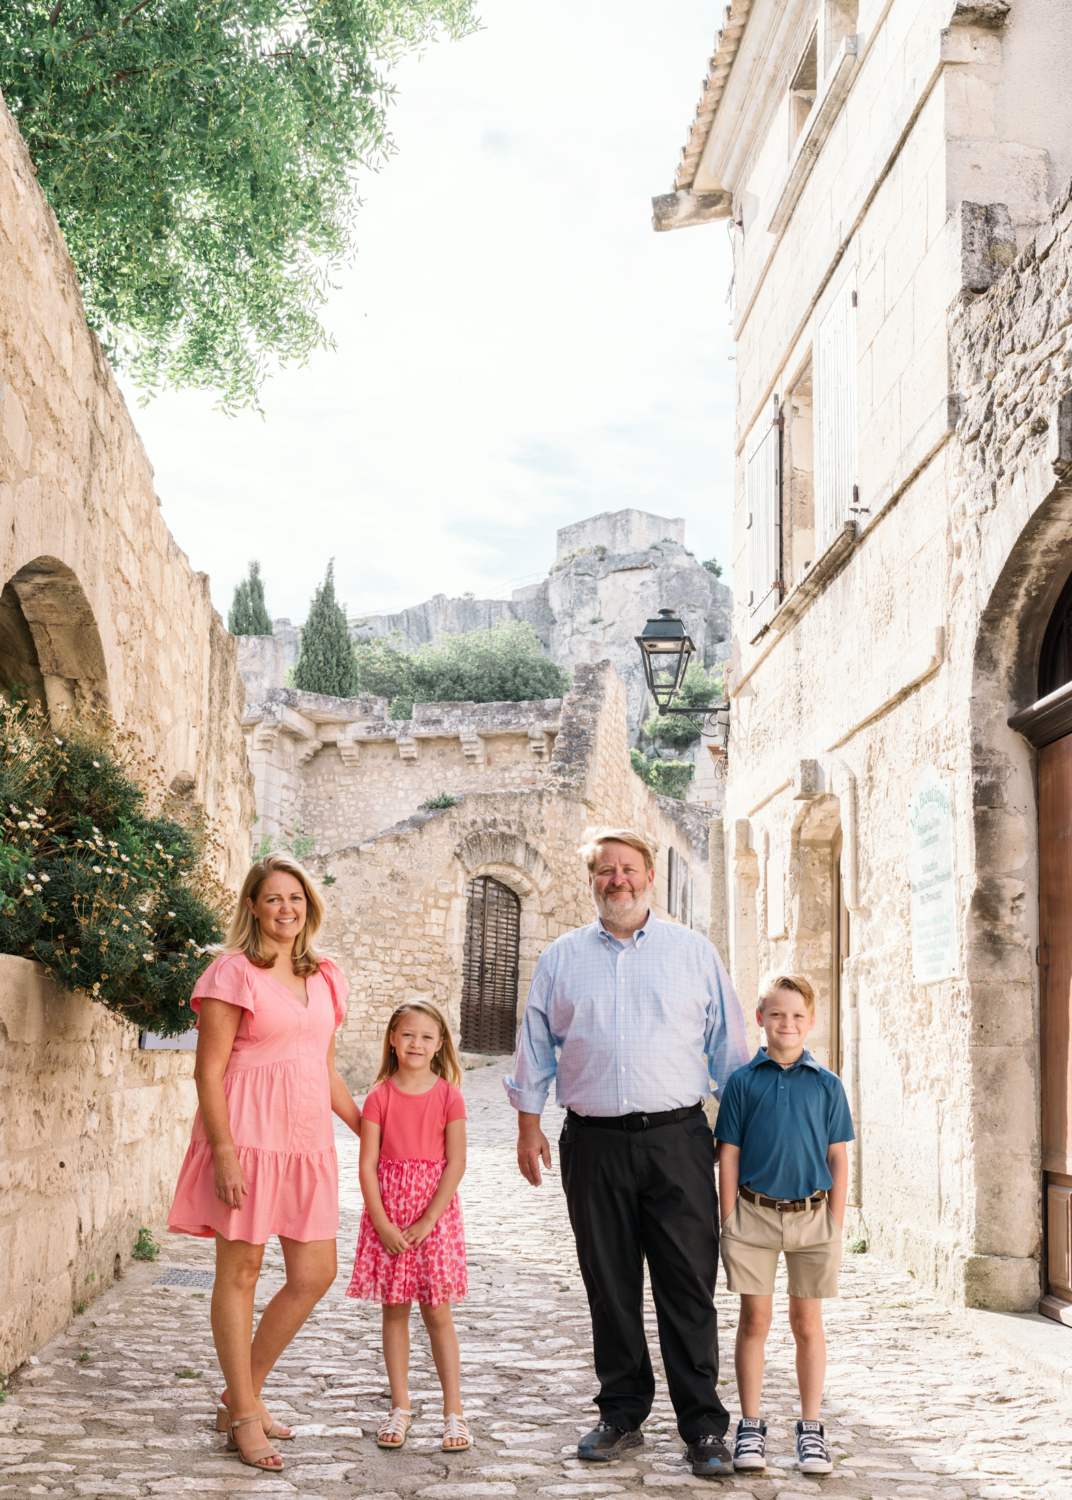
pixel 245 933
pixel 445 1062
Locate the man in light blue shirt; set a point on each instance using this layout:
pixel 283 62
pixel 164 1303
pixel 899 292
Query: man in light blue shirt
pixel 637 1022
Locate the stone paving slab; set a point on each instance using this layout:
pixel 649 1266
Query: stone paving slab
pixel 916 1407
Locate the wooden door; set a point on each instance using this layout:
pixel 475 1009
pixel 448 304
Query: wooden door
pixel 490 967
pixel 1055 974
pixel 841 953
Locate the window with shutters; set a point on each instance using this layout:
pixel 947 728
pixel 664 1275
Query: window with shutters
pixel 798 481
pixel 678 886
pixel 763 490
pixel 835 362
pixel 490 966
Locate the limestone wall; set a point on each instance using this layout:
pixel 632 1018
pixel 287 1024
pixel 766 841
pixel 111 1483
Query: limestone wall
pixel 949 591
pixel 91 1134
pixel 97 606
pixel 396 907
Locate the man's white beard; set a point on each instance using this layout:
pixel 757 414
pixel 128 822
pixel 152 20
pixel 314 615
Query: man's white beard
pixel 615 913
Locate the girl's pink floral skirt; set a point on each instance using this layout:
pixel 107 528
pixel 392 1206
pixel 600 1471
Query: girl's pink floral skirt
pixel 431 1272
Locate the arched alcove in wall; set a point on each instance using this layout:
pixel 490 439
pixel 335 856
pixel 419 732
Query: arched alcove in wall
pixel 50 646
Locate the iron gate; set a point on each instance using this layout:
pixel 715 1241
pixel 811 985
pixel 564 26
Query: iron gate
pixel 489 968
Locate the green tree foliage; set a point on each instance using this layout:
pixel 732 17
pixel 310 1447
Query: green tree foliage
pixel 249 613
pixel 670 777
pixel 200 157
pixel 326 661
pixel 697 691
pixel 506 664
pixel 713 566
pixel 111 893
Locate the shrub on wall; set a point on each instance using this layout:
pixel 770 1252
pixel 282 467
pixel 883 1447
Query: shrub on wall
pixel 670 777
pixel 103 878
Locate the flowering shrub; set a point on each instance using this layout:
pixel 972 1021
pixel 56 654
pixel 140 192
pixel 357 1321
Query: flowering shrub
pixel 103 878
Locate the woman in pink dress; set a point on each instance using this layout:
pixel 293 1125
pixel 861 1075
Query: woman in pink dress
pixel 261 1159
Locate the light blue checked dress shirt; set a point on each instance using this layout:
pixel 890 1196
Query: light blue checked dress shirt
pixel 642 1025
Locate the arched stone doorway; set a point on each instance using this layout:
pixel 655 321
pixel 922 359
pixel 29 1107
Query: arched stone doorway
pixel 490 966
pixel 1020 917
pixel 50 647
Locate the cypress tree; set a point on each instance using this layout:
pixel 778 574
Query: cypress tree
pixel 240 618
pixel 249 614
pixel 326 662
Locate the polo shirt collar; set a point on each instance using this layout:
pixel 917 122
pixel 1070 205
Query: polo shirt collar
pixel 637 937
pixel 805 1060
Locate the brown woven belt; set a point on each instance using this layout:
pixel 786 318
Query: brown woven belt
pixel 783 1205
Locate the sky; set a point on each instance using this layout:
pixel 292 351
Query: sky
pixel 516 349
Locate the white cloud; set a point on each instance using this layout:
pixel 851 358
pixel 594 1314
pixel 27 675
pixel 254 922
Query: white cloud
pixel 516 348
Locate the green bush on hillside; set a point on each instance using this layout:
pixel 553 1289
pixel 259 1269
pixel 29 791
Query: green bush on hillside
pixel 506 664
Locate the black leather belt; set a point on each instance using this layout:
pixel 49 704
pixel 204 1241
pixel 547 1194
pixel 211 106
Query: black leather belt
pixel 637 1122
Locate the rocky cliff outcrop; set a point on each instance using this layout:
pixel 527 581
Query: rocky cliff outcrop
pixel 610 574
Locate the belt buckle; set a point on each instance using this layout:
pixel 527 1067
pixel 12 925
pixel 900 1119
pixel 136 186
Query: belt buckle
pixel 783 1205
pixel 636 1122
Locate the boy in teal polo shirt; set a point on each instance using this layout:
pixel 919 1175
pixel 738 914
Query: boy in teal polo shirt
pixel 783 1177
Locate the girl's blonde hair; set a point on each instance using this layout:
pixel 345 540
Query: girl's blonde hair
pixel 445 1062
pixel 245 933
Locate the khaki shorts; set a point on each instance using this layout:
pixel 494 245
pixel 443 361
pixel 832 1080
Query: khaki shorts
pixel 753 1237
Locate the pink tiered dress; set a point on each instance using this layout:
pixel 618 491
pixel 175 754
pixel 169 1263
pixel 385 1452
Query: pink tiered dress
pixel 279 1109
pixel 413 1146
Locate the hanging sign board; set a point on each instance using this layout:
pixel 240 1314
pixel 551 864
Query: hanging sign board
pixel 930 864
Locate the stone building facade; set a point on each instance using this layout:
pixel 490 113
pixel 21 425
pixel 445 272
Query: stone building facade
pixel 98 608
pixel 902 255
pixel 401 879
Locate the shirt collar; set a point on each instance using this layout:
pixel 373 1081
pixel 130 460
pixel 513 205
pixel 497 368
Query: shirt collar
pixel 805 1060
pixel 637 937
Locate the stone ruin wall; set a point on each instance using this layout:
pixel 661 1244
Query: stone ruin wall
pixel 396 907
pixel 98 607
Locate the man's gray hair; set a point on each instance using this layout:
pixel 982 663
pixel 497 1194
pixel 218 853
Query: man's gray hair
pixel 595 838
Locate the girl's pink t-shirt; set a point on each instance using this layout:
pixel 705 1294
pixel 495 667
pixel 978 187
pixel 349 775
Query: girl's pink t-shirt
pixel 413 1126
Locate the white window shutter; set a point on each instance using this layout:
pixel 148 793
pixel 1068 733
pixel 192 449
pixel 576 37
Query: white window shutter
pixel 763 487
pixel 835 412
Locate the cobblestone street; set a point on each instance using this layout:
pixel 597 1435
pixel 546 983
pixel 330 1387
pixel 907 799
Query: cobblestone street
pixel 915 1407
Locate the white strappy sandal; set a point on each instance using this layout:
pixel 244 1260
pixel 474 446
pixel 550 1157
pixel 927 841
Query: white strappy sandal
pixel 455 1434
pixel 392 1433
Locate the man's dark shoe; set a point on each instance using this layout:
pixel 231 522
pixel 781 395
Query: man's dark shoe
pixel 710 1458
pixel 606 1442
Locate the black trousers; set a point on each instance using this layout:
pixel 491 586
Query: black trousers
pixel 649 1195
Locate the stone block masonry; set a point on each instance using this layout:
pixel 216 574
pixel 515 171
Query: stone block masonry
pixel 98 608
pixel 528 779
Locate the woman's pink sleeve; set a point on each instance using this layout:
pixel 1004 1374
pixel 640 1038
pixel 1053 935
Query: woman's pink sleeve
pixel 455 1104
pixel 338 987
pixel 226 979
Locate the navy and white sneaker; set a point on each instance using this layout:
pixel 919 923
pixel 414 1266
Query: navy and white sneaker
pixel 813 1452
pixel 750 1446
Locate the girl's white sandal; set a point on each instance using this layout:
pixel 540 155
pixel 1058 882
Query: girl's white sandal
pixel 392 1433
pixel 455 1434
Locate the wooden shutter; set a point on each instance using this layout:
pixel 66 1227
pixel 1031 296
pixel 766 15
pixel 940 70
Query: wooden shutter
pixel 683 885
pixel 489 967
pixel 671 881
pixel 763 487
pixel 836 475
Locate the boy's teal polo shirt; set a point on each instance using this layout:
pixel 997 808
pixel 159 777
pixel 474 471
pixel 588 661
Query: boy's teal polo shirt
pixel 783 1120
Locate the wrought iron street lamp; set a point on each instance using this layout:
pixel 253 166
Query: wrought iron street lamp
pixel 665 650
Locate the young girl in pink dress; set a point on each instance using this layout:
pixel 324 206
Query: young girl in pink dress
pixel 411 1243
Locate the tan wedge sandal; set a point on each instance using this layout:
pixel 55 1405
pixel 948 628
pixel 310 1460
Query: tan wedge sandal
pixel 256 1459
pixel 392 1433
pixel 277 1432
pixel 455 1434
